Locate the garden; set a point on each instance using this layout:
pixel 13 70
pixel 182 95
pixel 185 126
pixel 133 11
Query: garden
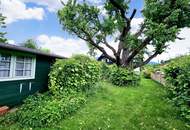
pixel 100 92
pixel 87 94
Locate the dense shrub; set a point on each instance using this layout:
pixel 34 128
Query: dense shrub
pixel 147 71
pixel 177 74
pixel 44 110
pixel 79 73
pixel 106 70
pixel 124 77
pixel 71 81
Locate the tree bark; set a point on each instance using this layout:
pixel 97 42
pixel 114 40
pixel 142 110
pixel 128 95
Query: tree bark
pixel 125 55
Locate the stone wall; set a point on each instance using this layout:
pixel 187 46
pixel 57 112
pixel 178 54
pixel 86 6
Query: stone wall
pixel 159 77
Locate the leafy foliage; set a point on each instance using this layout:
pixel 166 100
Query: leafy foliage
pixel 106 70
pixel 148 70
pixel 79 73
pixel 178 76
pixel 44 110
pixel 30 43
pixel 2 25
pixel 71 82
pixel 163 20
pixel 123 77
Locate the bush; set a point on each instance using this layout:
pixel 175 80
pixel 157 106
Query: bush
pixel 44 110
pixel 71 81
pixel 79 73
pixel 177 74
pixel 105 71
pixel 124 77
pixel 147 73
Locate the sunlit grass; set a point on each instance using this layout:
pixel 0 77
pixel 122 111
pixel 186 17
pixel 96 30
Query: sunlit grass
pixel 134 108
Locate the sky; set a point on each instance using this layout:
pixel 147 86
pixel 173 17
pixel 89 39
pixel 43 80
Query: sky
pixel 37 19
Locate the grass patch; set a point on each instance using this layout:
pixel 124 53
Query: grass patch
pixel 134 108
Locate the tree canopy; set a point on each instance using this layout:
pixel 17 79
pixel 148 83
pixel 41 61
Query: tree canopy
pixel 30 43
pixel 163 20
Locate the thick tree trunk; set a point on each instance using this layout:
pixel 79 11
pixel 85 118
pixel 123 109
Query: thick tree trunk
pixel 125 55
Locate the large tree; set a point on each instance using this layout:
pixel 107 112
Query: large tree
pixel 163 20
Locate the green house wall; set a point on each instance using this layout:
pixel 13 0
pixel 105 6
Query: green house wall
pixel 10 90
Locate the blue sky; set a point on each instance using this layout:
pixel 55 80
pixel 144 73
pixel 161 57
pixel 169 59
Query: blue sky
pixel 37 19
pixel 24 29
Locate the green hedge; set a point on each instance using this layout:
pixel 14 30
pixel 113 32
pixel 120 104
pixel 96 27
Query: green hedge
pixel 70 83
pixel 124 77
pixel 79 73
pixel 177 74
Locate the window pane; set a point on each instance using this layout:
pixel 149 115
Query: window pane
pixel 28 60
pixel 23 66
pixel 27 73
pixel 28 66
pixel 5 64
pixel 4 73
pixel 20 59
pixel 5 58
pixel 19 72
pixel 19 66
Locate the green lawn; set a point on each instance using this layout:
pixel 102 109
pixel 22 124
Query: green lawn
pixel 135 108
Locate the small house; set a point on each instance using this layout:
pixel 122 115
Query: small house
pixel 23 71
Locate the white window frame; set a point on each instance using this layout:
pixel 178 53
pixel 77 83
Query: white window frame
pixel 9 71
pixel 13 77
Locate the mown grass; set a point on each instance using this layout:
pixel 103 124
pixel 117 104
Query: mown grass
pixel 134 108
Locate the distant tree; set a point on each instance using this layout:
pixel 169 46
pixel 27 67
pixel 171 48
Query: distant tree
pixel 30 43
pixel 163 20
pixel 2 25
pixel 46 50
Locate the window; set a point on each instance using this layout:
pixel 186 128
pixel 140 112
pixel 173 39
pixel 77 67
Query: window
pixel 23 67
pixel 5 66
pixel 16 67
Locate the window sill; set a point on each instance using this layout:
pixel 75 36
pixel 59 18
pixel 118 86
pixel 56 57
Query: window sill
pixel 17 78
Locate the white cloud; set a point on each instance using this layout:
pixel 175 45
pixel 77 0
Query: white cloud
pixel 54 5
pixel 61 46
pixel 135 24
pixel 51 5
pixel 11 42
pixel 16 10
pixel 179 47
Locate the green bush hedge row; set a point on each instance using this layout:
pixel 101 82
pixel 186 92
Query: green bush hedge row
pixel 178 77
pixel 119 76
pixel 124 77
pixel 70 83
pixel 79 73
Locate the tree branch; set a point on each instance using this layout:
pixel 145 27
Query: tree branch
pixel 91 41
pixel 147 60
pixel 137 34
pixel 180 38
pixel 137 50
pixel 110 47
pixel 122 11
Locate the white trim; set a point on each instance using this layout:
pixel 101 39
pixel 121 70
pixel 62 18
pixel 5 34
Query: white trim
pixel 13 77
pixel 30 86
pixel 21 88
